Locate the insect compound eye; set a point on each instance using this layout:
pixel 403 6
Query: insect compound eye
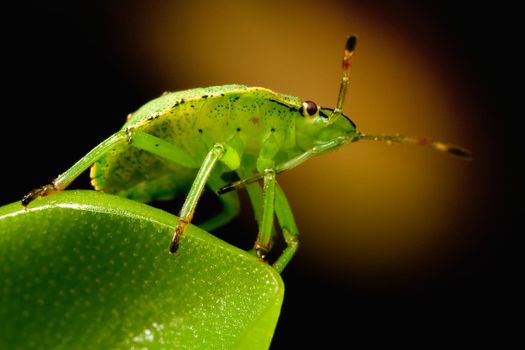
pixel 310 108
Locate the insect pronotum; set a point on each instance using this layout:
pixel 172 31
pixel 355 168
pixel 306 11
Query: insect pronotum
pixel 183 141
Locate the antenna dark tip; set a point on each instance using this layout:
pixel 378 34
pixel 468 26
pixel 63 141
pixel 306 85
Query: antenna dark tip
pixel 459 152
pixel 350 43
pixel 451 149
pixel 346 65
pixel 225 189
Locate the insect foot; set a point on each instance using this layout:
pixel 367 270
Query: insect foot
pixel 179 230
pixel 261 251
pixel 38 192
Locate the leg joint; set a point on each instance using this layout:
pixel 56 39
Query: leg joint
pixel 129 134
pixel 290 237
pixel 218 149
pixel 269 174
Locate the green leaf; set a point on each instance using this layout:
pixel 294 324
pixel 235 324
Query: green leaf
pixel 82 269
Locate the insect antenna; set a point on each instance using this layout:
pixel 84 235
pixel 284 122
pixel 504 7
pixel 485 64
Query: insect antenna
pixel 347 67
pixel 420 141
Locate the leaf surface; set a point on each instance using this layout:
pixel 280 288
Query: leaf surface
pixel 83 269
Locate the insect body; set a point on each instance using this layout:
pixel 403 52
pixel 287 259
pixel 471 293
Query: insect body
pixel 184 141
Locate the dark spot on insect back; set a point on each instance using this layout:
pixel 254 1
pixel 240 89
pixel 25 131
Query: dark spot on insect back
pixel 178 102
pixel 154 116
pixel 272 129
pixel 204 96
pixel 291 108
pixel 238 129
pixel 200 131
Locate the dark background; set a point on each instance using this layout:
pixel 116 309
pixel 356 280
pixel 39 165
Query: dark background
pixel 63 81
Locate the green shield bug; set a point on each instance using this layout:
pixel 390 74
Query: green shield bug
pixel 184 141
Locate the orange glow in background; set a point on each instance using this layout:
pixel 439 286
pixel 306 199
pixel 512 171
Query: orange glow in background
pixel 398 238
pixel 368 209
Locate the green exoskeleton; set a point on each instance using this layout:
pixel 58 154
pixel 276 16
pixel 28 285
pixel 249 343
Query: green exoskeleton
pixel 184 141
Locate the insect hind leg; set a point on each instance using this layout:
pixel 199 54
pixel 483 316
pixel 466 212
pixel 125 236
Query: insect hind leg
pixel 288 227
pixel 64 180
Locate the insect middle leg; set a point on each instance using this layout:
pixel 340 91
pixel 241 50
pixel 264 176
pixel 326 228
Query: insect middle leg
pixel 188 208
pixel 204 175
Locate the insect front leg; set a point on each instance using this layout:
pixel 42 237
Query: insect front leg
pixel 264 241
pixel 274 200
pixel 188 208
pixel 63 180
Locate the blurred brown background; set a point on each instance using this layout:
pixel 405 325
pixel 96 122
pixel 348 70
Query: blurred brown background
pixel 394 239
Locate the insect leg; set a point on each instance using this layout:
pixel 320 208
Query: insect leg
pixel 230 203
pixel 288 227
pixel 255 194
pixel 188 208
pixel 161 148
pixel 292 163
pixel 265 237
pixel 63 180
